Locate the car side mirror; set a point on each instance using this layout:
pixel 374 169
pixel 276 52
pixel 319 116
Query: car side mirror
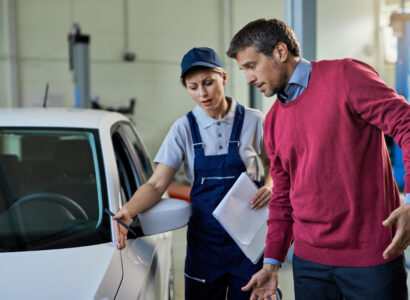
pixel 168 214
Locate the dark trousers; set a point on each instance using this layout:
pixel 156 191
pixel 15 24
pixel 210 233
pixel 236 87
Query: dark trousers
pixel 224 287
pixel 314 281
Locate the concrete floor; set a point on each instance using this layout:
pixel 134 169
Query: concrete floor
pixel 179 244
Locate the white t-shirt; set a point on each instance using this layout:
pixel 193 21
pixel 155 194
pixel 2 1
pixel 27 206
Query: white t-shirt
pixel 177 146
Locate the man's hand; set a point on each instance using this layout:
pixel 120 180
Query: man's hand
pixel 262 197
pixel 401 239
pixel 264 283
pixel 121 231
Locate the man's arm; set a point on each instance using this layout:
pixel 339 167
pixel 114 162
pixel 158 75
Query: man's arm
pixel 280 221
pixel 401 239
pixel 381 106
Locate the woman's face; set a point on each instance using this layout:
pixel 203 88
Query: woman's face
pixel 206 87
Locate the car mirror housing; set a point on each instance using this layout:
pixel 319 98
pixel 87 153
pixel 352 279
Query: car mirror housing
pixel 168 214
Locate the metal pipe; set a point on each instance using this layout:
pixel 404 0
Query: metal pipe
pixel 127 55
pixel 12 69
pixel 79 64
pixel 227 35
pixel 125 18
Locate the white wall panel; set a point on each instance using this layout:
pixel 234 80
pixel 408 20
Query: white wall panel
pixel 346 29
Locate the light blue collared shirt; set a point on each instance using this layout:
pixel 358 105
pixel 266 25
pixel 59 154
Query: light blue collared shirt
pixel 177 150
pixel 298 82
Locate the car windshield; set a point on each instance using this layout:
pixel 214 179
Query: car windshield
pixel 52 189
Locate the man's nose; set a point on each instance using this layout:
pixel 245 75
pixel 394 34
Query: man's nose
pixel 250 77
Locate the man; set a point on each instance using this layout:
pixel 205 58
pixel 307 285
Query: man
pixel 334 194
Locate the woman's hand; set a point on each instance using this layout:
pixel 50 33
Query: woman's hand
pixel 121 231
pixel 144 198
pixel 262 197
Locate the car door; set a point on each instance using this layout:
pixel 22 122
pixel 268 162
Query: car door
pixel 146 260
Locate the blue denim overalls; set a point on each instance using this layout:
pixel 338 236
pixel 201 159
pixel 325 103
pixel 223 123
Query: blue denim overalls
pixel 212 255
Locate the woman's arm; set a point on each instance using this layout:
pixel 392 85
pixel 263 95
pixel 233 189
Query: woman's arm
pixel 144 198
pixel 264 194
pixel 266 165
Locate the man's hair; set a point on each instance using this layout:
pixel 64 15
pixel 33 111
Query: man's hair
pixel 263 35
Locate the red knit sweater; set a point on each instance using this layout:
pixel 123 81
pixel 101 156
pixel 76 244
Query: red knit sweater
pixel 333 182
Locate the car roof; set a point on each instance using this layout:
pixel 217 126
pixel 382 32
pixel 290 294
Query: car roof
pixel 58 117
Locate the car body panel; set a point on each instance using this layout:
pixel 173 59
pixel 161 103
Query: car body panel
pixel 76 271
pixel 153 259
pixel 58 117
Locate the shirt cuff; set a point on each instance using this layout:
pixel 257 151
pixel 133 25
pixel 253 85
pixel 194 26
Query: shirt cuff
pixel 407 199
pixel 273 261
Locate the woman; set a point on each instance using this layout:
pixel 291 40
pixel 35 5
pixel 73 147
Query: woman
pixel 217 141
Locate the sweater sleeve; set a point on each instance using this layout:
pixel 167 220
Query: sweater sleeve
pixel 378 104
pixel 280 222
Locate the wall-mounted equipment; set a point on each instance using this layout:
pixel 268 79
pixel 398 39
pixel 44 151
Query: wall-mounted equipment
pixel 80 65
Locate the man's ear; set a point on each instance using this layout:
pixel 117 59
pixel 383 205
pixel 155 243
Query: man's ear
pixel 281 51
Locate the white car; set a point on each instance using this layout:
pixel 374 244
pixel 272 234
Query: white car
pixel 59 170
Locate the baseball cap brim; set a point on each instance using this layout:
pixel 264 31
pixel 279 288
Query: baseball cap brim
pixel 198 64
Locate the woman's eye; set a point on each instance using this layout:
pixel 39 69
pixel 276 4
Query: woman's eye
pixel 192 87
pixel 209 82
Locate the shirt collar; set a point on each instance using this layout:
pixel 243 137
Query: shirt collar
pixel 300 77
pixel 206 121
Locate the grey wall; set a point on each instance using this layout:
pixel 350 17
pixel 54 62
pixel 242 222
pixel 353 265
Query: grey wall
pixel 160 32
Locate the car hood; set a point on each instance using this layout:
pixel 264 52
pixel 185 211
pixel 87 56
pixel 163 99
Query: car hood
pixel 73 273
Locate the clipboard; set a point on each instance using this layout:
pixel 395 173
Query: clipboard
pixel 246 226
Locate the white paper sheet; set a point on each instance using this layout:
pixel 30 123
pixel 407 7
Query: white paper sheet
pixel 246 226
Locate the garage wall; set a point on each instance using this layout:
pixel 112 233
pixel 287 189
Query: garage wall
pixel 245 12
pixel 2 87
pixel 160 32
pixel 2 58
pixel 352 29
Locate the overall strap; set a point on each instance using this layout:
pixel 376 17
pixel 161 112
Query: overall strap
pixel 236 128
pixel 196 136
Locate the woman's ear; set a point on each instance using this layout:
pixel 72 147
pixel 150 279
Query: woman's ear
pixel 224 77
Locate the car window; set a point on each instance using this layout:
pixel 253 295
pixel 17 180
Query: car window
pixel 52 190
pixel 132 162
pixel 141 153
pixel 130 177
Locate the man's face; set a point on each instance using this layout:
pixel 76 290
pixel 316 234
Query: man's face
pixel 266 73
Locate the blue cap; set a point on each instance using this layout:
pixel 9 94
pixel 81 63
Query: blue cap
pixel 201 56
